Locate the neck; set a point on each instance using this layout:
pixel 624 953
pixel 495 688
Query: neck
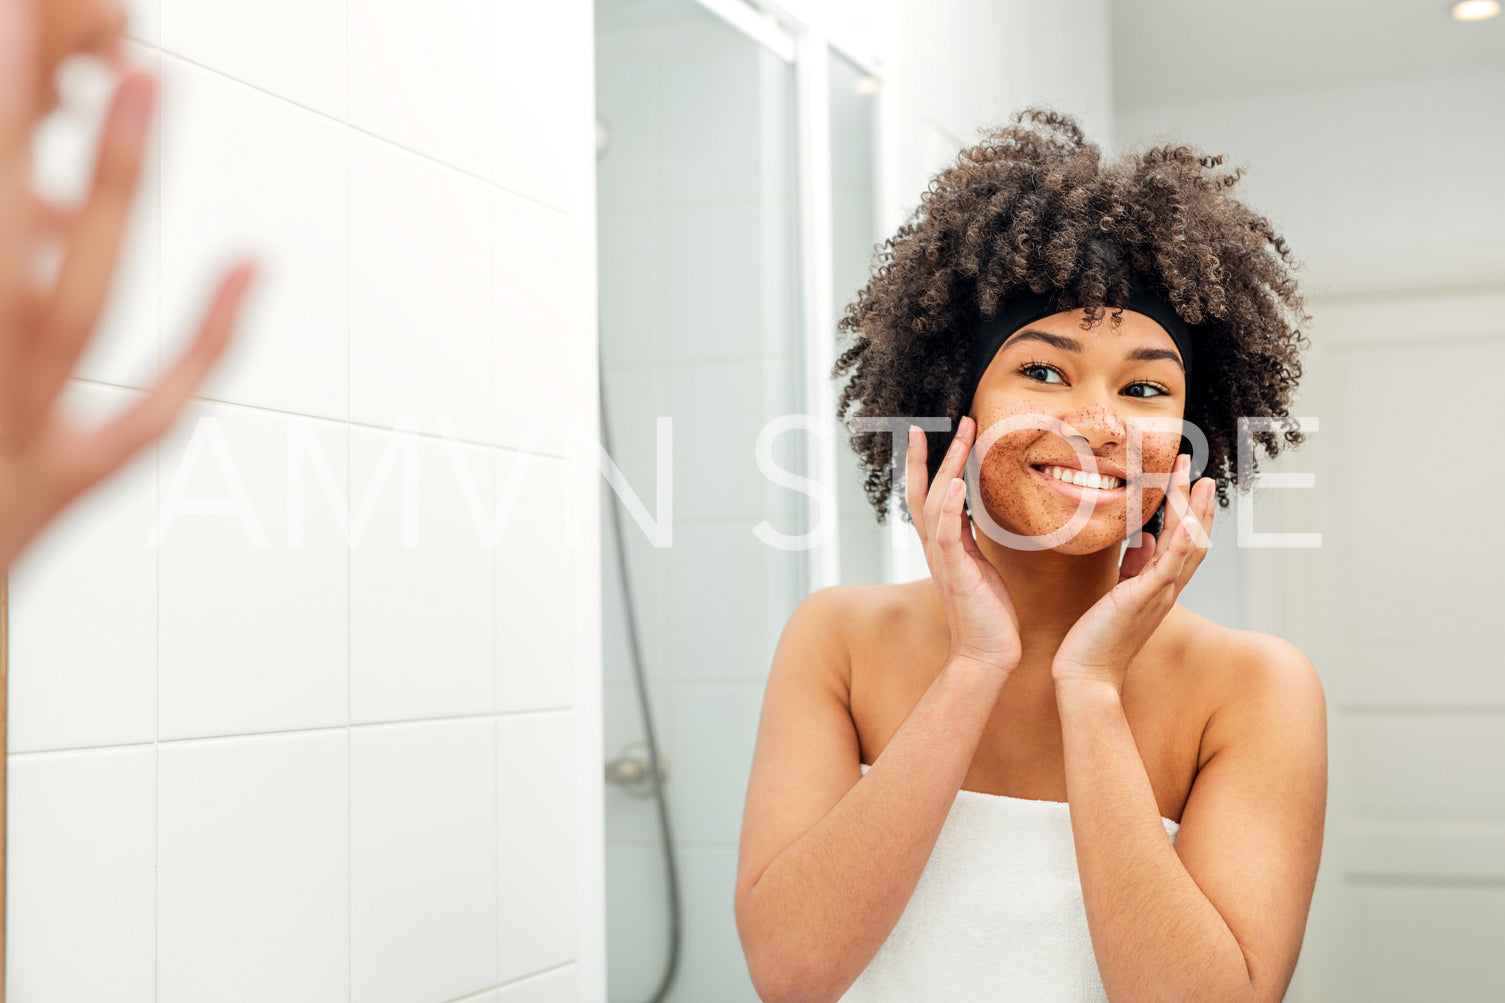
pixel 1050 591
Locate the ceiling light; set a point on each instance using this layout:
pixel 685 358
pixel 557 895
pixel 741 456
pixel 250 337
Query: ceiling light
pixel 1475 10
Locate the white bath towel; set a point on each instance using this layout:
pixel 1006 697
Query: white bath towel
pixel 997 914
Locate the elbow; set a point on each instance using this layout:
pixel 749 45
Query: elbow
pixel 792 986
pixel 781 969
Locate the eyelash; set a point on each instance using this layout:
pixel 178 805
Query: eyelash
pixel 1164 391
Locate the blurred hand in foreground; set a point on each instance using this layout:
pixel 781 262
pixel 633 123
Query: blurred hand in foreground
pixel 46 323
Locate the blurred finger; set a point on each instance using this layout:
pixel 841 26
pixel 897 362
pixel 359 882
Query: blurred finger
pixel 115 443
pixel 17 73
pixel 53 220
pixel 17 104
pixel 85 279
pixel 82 27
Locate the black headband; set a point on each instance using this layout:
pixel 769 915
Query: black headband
pixel 1029 307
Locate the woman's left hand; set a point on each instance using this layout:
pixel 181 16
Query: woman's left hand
pixel 1100 646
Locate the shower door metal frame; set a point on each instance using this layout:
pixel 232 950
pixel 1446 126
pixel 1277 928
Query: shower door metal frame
pixel 797 34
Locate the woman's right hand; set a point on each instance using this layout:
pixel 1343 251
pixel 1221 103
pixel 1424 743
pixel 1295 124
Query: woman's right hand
pixel 980 612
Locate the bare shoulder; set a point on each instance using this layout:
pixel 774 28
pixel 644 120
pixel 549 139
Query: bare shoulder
pixel 1253 678
pixel 855 613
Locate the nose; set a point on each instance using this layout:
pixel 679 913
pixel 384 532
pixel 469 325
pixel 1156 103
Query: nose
pixel 1096 425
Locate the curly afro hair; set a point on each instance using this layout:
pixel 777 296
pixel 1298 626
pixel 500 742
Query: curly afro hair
pixel 1023 209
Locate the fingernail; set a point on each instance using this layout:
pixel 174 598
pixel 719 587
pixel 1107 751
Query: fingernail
pixel 914 435
pixel 955 488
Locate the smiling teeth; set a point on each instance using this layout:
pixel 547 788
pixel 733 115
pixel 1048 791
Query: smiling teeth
pixel 1082 479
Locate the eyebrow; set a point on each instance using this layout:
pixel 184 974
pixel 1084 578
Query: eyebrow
pixel 1072 345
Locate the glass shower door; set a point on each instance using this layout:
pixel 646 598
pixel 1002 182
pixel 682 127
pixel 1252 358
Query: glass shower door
pixel 700 323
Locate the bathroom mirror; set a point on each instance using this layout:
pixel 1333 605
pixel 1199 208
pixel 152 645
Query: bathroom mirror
pixel 1376 157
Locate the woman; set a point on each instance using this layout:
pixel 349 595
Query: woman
pixel 1033 775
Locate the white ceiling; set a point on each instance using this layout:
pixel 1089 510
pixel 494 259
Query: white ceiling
pixel 1170 50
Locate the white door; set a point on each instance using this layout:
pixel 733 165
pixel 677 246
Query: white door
pixel 1402 610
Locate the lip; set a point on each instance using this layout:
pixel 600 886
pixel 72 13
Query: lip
pixel 1096 496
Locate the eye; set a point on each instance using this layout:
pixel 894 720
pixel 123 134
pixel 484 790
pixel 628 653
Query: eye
pixel 1146 388
pixel 1028 367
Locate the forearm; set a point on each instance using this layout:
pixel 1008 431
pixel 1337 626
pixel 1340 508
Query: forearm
pixel 825 905
pixel 1155 935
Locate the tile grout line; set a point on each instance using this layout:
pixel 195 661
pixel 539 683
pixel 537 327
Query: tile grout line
pixel 264 410
pixel 251 735
pixel 185 60
pixel 509 983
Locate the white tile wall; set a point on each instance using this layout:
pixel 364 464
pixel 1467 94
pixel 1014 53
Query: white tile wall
pixel 144 20
pixel 252 638
pixel 254 868
pixel 534 310
pixel 636 818
pixel 714 568
pixel 718 411
pixel 423 848
pixel 533 583
pixel 420 295
pixel 534 151
pixel 632 289
pixel 293 48
pixel 715 252
pixel 422 617
pixel 637 918
pixel 712 730
pixel 537 862
pixel 81 892
pixel 247 173
pixel 83 609
pixel 562 985
pixel 419 76
pixel 371 155
pixel 710 101
pixel 633 452
pixel 712 963
pixel 630 107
